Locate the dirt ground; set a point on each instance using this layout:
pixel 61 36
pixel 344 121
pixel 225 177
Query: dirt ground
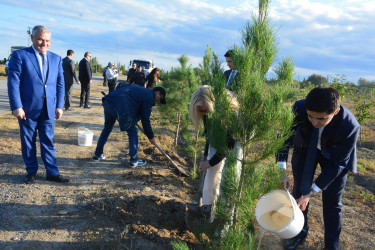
pixel 110 206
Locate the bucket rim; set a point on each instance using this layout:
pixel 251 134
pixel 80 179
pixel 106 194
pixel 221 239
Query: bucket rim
pixel 84 130
pixel 294 206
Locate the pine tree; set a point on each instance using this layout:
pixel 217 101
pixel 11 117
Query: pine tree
pixel 261 124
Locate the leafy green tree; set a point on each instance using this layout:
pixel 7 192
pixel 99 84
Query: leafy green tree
pixel 317 80
pixel 364 101
pixel 363 82
pixel 338 82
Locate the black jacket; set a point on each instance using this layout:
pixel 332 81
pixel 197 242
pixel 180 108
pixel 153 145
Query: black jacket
pixel 85 74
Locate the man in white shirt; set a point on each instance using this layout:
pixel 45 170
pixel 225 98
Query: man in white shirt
pixel 112 76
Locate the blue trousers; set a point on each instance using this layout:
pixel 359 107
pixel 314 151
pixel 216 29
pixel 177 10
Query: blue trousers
pixel 110 117
pixel 331 198
pixel 28 132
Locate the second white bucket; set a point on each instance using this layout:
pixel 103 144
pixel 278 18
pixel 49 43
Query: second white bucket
pixel 277 212
pixel 85 137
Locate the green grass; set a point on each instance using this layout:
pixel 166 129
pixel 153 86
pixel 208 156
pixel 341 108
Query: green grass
pixel 364 165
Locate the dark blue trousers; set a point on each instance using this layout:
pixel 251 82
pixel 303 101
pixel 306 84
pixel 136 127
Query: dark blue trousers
pixel 110 117
pixel 331 198
pixel 44 126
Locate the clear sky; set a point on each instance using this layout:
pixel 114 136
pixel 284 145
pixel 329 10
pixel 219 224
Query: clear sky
pixel 326 37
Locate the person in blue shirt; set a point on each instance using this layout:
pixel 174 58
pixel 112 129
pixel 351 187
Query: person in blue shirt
pixel 128 105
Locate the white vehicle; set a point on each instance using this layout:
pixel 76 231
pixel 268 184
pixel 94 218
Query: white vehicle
pixel 149 65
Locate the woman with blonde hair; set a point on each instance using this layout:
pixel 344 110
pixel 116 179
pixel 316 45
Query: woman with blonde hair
pixel 201 103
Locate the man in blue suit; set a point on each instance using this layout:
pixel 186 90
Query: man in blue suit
pixel 325 132
pixel 36 96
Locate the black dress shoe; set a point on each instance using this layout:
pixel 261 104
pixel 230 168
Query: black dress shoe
pixel 87 107
pixel 57 178
pixel 293 243
pixel 29 178
pixel 69 109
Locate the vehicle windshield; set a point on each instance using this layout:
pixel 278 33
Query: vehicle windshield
pixel 145 64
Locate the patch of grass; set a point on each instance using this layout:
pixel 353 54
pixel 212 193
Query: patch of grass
pixel 364 165
pixel 2 69
pixel 363 196
pixel 178 245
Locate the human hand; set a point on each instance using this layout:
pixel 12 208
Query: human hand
pixel 19 113
pixel 303 201
pixel 90 81
pixel 152 141
pixel 78 82
pixel 204 165
pixel 59 113
pixel 285 179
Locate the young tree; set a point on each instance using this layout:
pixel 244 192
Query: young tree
pixel 180 83
pixel 261 125
pixel 317 80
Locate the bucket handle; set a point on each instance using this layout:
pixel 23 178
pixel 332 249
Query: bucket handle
pixel 293 201
pixel 81 128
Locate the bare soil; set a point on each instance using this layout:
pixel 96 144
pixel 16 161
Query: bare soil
pixel 110 206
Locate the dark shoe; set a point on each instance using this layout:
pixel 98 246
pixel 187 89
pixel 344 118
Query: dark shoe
pixel 205 211
pixel 139 163
pixel 87 107
pixel 293 243
pixel 57 178
pixel 69 109
pixel 29 178
pixel 98 158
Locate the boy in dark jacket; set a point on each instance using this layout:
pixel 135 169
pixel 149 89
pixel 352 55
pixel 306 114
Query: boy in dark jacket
pixel 128 105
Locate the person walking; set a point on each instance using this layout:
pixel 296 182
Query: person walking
pixel 85 77
pixel 36 96
pixel 69 78
pixel 325 133
pixel 128 105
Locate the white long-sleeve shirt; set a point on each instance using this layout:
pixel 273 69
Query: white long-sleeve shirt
pixel 111 74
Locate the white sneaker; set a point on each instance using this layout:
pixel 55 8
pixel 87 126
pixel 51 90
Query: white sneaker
pixel 139 163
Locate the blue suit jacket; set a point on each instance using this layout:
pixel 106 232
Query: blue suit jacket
pixel 338 142
pixel 25 83
pixel 133 103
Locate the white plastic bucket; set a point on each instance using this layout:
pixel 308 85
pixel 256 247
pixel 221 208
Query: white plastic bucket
pixel 85 137
pixel 277 212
